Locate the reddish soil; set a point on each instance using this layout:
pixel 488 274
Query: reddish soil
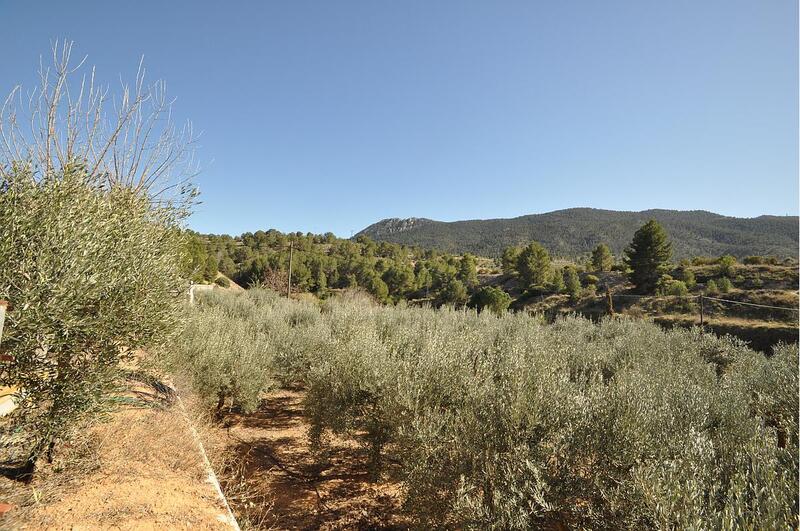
pixel 277 481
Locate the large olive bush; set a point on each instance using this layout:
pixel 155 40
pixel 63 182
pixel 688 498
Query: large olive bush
pixel 92 272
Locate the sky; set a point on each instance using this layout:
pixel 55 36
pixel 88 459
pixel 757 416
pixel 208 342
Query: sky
pixel 329 116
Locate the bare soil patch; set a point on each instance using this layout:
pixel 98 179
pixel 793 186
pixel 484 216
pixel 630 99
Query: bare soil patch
pixel 140 469
pixel 275 480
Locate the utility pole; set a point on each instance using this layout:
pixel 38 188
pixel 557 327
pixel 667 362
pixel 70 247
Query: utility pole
pixel 289 283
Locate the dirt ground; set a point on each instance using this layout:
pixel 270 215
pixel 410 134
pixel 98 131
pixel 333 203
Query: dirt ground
pixel 141 469
pixel 275 481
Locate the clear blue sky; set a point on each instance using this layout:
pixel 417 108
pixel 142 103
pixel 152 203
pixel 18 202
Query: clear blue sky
pixel 322 116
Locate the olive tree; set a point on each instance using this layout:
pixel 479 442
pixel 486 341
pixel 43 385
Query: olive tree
pixel 94 191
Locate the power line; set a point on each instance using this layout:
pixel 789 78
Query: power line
pixel 753 304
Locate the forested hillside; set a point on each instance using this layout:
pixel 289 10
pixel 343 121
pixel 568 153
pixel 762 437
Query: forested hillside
pixel 321 262
pixel 576 231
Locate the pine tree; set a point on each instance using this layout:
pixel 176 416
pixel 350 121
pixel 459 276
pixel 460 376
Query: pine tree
pixel 557 281
pixel 509 260
pixel 602 259
pixel 453 293
pixel 468 271
pixel 533 265
pixel 491 298
pixel 572 284
pixel 648 256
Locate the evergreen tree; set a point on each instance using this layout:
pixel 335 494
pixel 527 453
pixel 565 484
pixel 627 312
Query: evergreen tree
pixel 424 277
pixel 648 256
pixel 557 281
pixel 210 269
pixel 602 259
pixel 726 265
pixel 494 299
pixel 400 279
pixel 468 271
pixel 533 265
pixel 572 284
pixel 509 260
pixel 453 293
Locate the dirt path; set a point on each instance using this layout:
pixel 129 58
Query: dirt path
pixel 139 470
pixel 281 483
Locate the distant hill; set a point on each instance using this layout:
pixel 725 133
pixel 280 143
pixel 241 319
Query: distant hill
pixel 575 231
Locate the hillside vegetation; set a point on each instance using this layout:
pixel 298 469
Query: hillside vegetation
pixel 512 423
pixel 576 231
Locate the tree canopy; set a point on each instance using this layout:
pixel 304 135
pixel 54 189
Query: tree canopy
pixel 648 256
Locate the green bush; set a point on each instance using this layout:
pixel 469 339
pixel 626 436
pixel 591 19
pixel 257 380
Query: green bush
pixel 93 272
pixel 222 282
pixel 726 265
pixel 704 260
pixel 591 279
pixel 724 284
pixel 557 281
pixel 571 282
pixel 452 293
pixel 684 274
pixel 494 299
pixel 711 287
pixel 226 357
pixel 673 288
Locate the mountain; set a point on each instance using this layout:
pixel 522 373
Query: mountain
pixel 574 231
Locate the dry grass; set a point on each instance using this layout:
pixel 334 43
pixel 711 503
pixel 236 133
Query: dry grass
pixel 140 469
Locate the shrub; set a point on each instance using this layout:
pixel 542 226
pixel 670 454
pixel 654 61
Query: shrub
pixel 452 293
pixel 93 273
pixel 222 282
pixel 557 281
pixel 505 423
pixel 673 288
pixel 711 287
pixel 494 299
pixel 226 357
pixel 591 279
pixel 686 275
pixel 726 265
pixel 724 285
pixel 704 260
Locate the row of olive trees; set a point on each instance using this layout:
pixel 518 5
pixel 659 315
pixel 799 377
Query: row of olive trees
pixel 510 423
pixel 93 193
